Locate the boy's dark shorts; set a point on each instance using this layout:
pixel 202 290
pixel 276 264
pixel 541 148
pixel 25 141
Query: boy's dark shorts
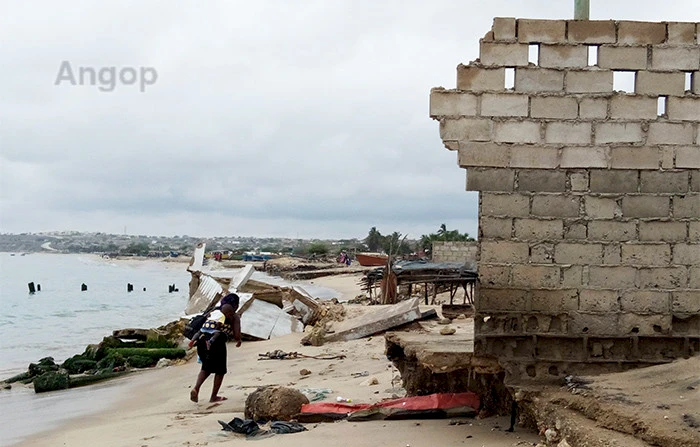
pixel 214 359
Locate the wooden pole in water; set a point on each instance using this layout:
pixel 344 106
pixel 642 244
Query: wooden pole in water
pixel 582 9
pixel 31 288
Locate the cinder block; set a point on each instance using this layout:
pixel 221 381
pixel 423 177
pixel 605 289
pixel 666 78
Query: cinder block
pixel 695 83
pixel 606 133
pixel 618 181
pixel 635 157
pixel 686 254
pixel 659 182
pixel 517 132
pixel 535 276
pixel 451 145
pixel 687 206
pixel 681 33
pixel 510 205
pixel 592 31
pixel 541 181
pixel 494 275
pixel 663 278
pixel 653 324
pixel 652 83
pixel 535 80
pixel 485 179
pixel 538 230
pixel 553 107
pixel 599 301
pixel 483 155
pixel 695 181
pixel 572 276
pixel 504 28
pixel 567 253
pixel 593 323
pixel 541 31
pixel 683 109
pixel 686 302
pixel 603 230
pixel 612 277
pixel 670 133
pixel 554 301
pixel 688 157
pixel 645 206
pixel 579 181
pixel 537 157
pixel 600 207
pixel 504 252
pixel 694 277
pixel 495 227
pixel 675 58
pixel 622 58
pixel 542 253
pixel 612 254
pixel 589 81
pixel 563 56
pixel 640 33
pixel 595 108
pixel 662 231
pixel 668 155
pixel 646 254
pixel 504 54
pixel 500 299
pixel 694 231
pixel 556 205
pixel 633 107
pixel 576 231
pixel 466 129
pixel 451 103
pixel 506 104
pixel 480 79
pixel 568 133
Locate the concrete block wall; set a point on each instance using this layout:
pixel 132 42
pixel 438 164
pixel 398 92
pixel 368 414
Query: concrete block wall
pixel 589 209
pixel 455 251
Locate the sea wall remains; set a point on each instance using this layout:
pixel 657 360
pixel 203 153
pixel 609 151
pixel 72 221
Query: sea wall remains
pixel 589 197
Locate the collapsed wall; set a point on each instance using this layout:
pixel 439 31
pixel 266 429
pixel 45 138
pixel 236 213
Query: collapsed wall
pixel 589 198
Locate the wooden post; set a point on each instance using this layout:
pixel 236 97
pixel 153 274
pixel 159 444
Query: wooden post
pixel 582 9
pixel 31 288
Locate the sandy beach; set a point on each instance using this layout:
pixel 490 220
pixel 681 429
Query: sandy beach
pixel 154 407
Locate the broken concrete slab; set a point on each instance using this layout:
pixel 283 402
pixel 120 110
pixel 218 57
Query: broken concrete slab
pixel 241 278
pixel 197 261
pixel 305 304
pixel 271 296
pixel 209 291
pixel 379 320
pixel 263 320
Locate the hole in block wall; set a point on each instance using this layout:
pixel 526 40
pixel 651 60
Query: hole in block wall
pixel 689 81
pixel 533 55
pixel 623 81
pixel 510 78
pixel 592 55
pixel 661 106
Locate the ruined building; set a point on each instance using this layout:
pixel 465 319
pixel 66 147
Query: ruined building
pixel 589 198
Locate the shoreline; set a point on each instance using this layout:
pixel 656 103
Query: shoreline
pixel 154 409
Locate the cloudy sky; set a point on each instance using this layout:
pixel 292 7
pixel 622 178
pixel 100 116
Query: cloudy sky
pixel 268 118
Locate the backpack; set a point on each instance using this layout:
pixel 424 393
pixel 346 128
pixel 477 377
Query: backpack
pixel 195 324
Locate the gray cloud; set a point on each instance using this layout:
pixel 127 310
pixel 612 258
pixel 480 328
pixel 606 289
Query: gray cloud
pixel 268 118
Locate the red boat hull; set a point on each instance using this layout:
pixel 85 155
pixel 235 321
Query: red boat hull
pixel 371 260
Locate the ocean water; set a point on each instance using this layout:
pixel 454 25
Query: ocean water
pixel 61 321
